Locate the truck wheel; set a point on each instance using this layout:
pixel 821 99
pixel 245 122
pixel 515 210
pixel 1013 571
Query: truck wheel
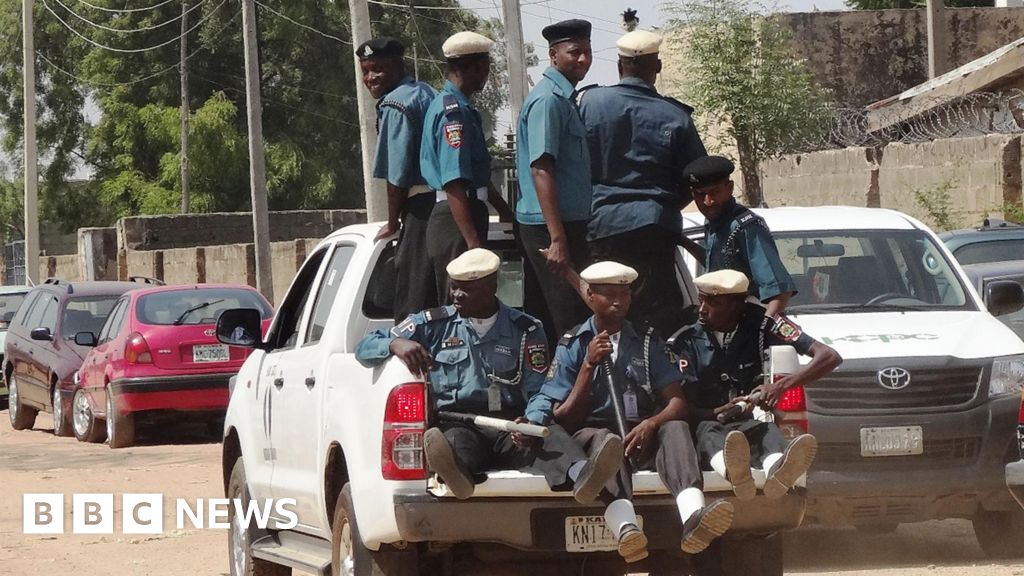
pixel 240 540
pixel 349 557
pixel 87 427
pixel 750 556
pixel 999 532
pixel 22 417
pixel 61 421
pixel 120 427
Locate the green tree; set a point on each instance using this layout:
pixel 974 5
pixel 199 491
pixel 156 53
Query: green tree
pixel 741 70
pixel 908 4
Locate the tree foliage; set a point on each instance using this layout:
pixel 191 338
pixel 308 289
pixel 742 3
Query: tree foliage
pixel 131 148
pixel 909 4
pixel 741 70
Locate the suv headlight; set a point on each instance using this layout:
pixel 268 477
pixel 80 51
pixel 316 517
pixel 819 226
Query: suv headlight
pixel 1007 375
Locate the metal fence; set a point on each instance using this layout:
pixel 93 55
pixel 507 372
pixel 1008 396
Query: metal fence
pixel 14 261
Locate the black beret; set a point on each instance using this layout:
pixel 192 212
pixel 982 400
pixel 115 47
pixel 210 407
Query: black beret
pixel 707 170
pixel 383 47
pixel 566 30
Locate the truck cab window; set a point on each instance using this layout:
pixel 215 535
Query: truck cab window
pixel 329 285
pixel 286 329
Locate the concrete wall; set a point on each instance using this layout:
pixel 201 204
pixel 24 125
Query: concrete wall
pixel 185 231
pixel 984 174
pixel 64 267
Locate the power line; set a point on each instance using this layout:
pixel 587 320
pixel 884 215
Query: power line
pixel 587 16
pixel 132 50
pixel 301 25
pixel 133 31
pixel 616 32
pixel 391 4
pixel 299 88
pixel 125 10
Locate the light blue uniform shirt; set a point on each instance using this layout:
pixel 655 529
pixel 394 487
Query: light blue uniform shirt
pixel 463 360
pixel 752 251
pixel 400 115
pixel 644 375
pixel 453 146
pixel 639 142
pixel 551 124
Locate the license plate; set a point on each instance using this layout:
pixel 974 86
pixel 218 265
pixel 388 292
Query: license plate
pixel 590 534
pixel 210 353
pixel 895 441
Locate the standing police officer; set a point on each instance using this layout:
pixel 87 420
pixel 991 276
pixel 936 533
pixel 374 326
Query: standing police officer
pixel 577 396
pixel 722 355
pixel 639 142
pixel 454 157
pixel 734 237
pixel 401 105
pixel 554 174
pixel 483 357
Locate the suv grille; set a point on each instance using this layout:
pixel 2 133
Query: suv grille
pixel 943 452
pixel 859 392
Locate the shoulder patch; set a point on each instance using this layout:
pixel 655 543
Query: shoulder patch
pixel 453 134
pixel 537 357
pixel 451 106
pixel 406 328
pixel 785 330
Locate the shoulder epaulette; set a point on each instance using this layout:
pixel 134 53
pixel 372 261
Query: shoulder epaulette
pixel 581 91
pixel 393 104
pixel 746 217
pixel 451 105
pixel 569 335
pixel 686 107
pixel 440 313
pixel 526 322
pixel 681 334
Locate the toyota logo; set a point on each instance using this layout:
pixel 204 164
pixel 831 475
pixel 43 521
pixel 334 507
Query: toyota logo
pixel 894 378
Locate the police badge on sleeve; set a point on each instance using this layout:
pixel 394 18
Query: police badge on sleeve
pixel 453 134
pixel 785 329
pixel 537 357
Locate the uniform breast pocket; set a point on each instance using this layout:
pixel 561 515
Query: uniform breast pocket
pixel 452 364
pixel 577 139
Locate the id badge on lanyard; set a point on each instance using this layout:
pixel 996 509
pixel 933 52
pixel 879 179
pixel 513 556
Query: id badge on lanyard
pixel 494 397
pixel 629 404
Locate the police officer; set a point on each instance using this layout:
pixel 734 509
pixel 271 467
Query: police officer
pixel 576 395
pixel 639 143
pixel 554 176
pixel 483 357
pixel 736 238
pixel 722 356
pixel 454 157
pixel 401 105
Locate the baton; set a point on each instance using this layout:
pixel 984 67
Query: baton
pixel 731 413
pixel 620 413
pixel 495 423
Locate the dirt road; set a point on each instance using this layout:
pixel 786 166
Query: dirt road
pixel 37 462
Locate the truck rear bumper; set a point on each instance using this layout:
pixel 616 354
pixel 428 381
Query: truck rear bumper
pixel 539 523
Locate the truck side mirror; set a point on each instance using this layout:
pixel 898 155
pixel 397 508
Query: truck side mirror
pixel 1004 297
pixel 41 333
pixel 240 327
pixel 85 339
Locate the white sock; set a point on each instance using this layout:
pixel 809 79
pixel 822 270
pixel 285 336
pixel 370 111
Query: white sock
pixel 690 501
pixel 770 461
pixel 619 513
pixel 575 469
pixel 718 463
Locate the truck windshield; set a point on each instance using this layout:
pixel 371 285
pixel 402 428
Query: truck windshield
pixel 869 270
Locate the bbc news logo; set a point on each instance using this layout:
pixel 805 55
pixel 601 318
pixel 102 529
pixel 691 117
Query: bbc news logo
pixel 144 513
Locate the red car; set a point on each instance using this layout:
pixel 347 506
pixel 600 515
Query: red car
pixel 158 354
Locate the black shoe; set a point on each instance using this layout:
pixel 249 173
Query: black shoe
pixel 600 468
pixel 703 526
pixel 632 543
pixel 441 459
pixel 737 465
pixel 795 462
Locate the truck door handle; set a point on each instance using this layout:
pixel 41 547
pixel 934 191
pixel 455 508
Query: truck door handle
pixel 310 382
pixel 278 383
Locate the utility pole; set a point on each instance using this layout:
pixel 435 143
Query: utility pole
pixel 938 60
pixel 257 163
pixel 515 54
pixel 376 198
pixel 31 166
pixel 183 69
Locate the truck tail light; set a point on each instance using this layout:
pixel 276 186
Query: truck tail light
pixel 136 351
pixel 405 421
pixel 791 413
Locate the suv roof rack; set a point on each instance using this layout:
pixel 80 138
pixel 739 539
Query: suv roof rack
pixel 60 282
pixel 146 280
pixel 989 223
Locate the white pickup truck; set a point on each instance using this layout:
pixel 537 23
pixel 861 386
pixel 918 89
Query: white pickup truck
pixel 307 422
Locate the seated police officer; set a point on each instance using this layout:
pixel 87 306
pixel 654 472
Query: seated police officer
pixel 576 395
pixel 722 355
pixel 483 357
pixel 736 238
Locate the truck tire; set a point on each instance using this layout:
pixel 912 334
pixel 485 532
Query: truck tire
pixel 748 556
pixel 22 417
pixel 61 417
pixel 349 557
pixel 999 532
pixel 240 538
pixel 120 427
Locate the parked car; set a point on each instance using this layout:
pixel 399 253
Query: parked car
pixel 158 355
pixel 920 420
pixel 40 353
pixel 993 241
pixel 983 276
pixel 11 298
